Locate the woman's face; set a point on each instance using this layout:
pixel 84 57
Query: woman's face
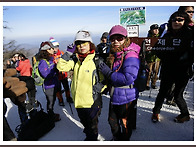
pixel 50 51
pixel 177 23
pixel 83 47
pixel 155 31
pixel 190 11
pixel 104 40
pixel 117 40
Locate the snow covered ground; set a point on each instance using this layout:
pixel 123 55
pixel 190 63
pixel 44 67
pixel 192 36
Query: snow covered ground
pixel 70 131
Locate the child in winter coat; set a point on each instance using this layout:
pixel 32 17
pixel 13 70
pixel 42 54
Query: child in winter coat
pixel 124 62
pixel 86 96
pixel 48 71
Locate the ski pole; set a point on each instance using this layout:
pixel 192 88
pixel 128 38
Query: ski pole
pixel 151 77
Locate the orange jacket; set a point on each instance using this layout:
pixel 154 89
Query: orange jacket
pixel 24 67
pixel 61 75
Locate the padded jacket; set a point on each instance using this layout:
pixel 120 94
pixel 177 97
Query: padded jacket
pixel 82 81
pixel 125 76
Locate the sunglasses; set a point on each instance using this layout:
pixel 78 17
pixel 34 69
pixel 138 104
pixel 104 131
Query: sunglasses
pixel 118 38
pixel 78 43
pixel 177 19
pixel 189 11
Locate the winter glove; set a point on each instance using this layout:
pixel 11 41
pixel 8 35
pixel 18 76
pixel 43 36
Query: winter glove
pixel 67 56
pixel 105 70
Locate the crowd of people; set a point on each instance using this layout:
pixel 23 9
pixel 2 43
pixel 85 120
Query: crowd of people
pixel 106 69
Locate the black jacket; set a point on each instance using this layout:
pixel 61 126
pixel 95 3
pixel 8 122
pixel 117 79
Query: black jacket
pixel 176 51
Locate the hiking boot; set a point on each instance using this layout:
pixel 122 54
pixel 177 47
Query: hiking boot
pixel 182 118
pixel 61 103
pixel 69 100
pixel 147 88
pixel 154 87
pixel 155 118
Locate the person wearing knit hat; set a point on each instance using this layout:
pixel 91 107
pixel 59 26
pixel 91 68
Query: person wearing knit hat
pixel 104 47
pixel 54 42
pixel 152 60
pixel 47 69
pixel 63 76
pixel 84 86
pixel 121 73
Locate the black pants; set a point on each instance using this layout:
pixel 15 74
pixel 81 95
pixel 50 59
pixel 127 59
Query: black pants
pixel 122 119
pixel 180 79
pixel 65 84
pixel 89 119
pixel 22 107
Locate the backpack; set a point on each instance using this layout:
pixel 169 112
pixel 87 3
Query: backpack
pixel 143 72
pixel 39 124
pixel 39 80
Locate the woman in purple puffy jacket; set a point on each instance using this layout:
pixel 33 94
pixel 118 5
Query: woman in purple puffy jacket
pixel 124 62
pixel 47 69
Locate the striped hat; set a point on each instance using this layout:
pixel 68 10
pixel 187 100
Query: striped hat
pixel 54 42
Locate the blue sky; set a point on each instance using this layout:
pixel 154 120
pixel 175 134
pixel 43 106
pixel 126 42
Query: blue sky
pixel 65 19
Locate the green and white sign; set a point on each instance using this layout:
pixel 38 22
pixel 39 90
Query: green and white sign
pixel 132 16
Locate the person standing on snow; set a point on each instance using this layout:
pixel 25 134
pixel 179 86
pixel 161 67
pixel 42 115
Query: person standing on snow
pixel 85 87
pixel 152 60
pixel 175 64
pixel 48 71
pixel 124 62
pixel 25 70
pixel 61 75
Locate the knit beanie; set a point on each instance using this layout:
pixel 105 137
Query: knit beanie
pixel 54 42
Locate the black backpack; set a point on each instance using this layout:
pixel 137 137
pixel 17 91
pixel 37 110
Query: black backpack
pixel 39 124
pixel 143 72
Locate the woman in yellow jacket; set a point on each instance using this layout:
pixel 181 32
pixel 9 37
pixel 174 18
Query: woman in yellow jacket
pixel 86 86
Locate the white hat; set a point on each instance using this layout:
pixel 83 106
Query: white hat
pixel 45 47
pixel 83 36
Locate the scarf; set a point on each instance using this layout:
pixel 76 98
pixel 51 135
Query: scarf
pixel 113 50
pixel 83 56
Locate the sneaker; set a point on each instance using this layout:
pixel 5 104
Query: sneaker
pixel 181 118
pixel 61 103
pixel 147 88
pixel 155 118
pixel 69 100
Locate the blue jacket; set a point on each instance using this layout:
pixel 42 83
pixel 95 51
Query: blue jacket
pixel 125 76
pixel 49 73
